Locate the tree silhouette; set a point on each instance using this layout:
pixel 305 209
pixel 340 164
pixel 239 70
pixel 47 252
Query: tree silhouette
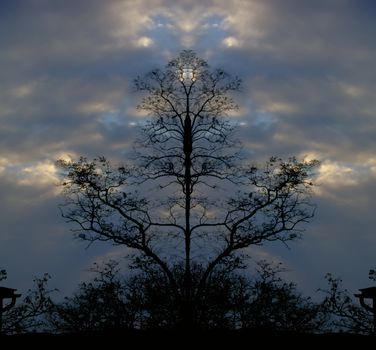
pixel 346 315
pixel 274 305
pixel 29 314
pixel 189 200
pixel 98 306
pixel 232 300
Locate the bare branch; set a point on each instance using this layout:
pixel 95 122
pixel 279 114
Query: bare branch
pixel 187 154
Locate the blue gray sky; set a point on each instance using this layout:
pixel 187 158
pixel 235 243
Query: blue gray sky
pixel 66 71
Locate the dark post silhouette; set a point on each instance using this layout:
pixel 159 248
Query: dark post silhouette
pixel 368 293
pixel 6 293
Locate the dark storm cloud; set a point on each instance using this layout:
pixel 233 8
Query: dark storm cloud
pixel 66 71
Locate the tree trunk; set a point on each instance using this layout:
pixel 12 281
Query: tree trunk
pixel 187 308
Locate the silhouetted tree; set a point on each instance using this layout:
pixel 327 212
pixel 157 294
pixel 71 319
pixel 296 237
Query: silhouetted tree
pixel 210 206
pixel 144 301
pixel 98 306
pixel 29 314
pixel 346 315
pixel 276 305
pixel 158 307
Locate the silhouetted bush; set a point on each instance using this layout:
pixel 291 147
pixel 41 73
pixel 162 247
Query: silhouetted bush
pixel 29 314
pixel 345 314
pixel 230 301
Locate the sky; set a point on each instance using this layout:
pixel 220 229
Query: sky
pixel 309 87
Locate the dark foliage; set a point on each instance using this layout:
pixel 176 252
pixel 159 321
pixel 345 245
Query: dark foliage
pixel 100 305
pixel 145 301
pixel 29 314
pixel 346 315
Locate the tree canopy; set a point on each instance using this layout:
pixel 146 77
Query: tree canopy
pixel 190 199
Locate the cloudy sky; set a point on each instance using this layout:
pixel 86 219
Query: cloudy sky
pixel 66 71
